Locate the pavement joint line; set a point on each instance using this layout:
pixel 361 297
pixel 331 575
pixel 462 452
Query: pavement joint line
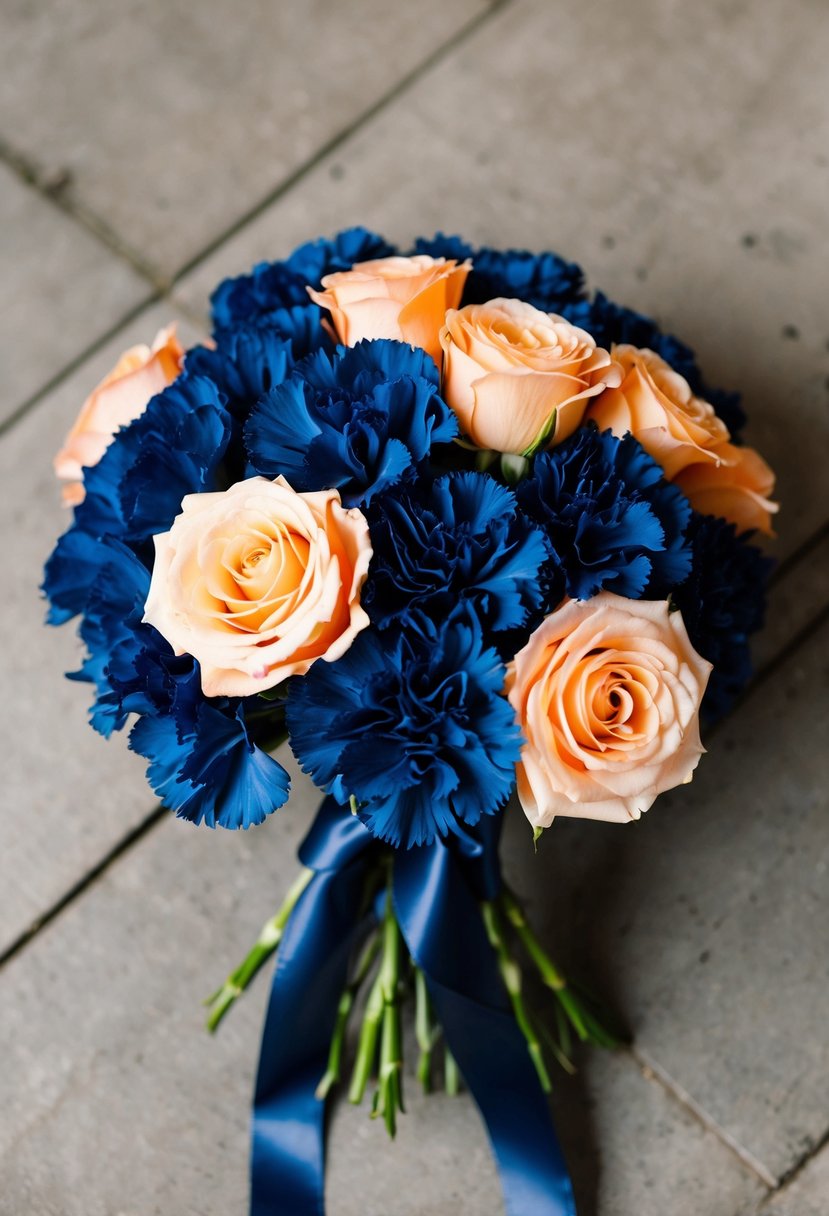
pixel 55 187
pixel 175 304
pixel 432 60
pixel 78 888
pixel 77 361
pixel 652 1070
pixel 162 286
pixel 791 1175
pixel 784 654
pixel 803 550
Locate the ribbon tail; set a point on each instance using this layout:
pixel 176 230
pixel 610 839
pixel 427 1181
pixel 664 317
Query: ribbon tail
pixel 441 922
pixel 288 1152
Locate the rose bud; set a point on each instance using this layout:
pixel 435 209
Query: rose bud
pixel 519 378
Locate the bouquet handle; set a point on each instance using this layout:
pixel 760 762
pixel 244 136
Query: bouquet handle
pixel 437 891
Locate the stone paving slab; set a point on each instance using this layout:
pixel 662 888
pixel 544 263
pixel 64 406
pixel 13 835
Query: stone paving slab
pixel 796 597
pixel 69 796
pixel 552 127
pixel 171 120
pixel 705 923
pixel 806 1195
pixel 61 290
pixel 113 1099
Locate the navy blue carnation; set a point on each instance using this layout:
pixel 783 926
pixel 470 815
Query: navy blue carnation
pixel 175 448
pixel 460 539
pixel 248 360
pixel 131 665
pixel 613 522
pixel 110 628
pixel 413 726
pixel 544 280
pixel 204 762
pixel 356 421
pixel 274 286
pixel 723 602
pixel 209 770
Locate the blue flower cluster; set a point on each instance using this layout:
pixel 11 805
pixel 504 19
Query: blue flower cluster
pixel 458 540
pixel 358 420
pixel 613 521
pixel 410 724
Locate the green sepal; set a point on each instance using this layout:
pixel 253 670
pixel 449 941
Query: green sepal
pixel 542 436
pixel 513 468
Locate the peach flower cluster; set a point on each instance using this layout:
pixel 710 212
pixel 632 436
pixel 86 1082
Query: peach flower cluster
pixel 258 582
pixel 120 398
pixel 683 434
pixel 607 692
pixel 405 299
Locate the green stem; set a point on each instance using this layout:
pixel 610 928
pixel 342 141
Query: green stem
pixel 333 1069
pixel 367 1046
pixel 550 974
pixel 426 1031
pixel 263 948
pixel 511 975
pixel 451 1074
pixel 587 1027
pixel 388 1098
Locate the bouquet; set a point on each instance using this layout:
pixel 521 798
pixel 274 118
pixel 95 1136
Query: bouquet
pixel 453 527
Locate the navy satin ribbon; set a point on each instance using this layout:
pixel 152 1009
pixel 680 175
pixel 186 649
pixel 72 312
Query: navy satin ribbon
pixel 436 894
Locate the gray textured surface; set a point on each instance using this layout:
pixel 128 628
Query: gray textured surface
pixel 805 1195
pixel 680 158
pixel 70 803
pixel 61 290
pixel 198 109
pixel 116 1100
pixel 679 153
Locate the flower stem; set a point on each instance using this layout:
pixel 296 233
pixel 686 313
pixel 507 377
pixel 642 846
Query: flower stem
pixel 267 942
pixel 547 969
pixel 388 1098
pixel 333 1069
pixel 367 1046
pixel 426 1032
pixel 451 1074
pixel 587 1027
pixel 511 975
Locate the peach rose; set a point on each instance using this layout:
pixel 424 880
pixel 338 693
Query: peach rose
pixel 401 298
pixel 607 692
pixel 120 398
pixel 738 488
pixel 683 434
pixel 258 582
pixel 510 372
pixel 657 406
